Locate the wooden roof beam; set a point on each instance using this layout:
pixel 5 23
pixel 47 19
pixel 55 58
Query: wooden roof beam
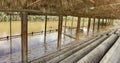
pixel 33 3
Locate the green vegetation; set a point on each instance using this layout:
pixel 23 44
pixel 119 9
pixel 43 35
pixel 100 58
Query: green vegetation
pixel 36 23
pixel 5 17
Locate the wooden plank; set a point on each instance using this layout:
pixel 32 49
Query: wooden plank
pixel 69 36
pixel 69 27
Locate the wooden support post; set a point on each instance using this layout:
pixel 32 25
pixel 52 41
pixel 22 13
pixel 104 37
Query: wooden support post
pixel 102 23
pixel 112 22
pixel 78 29
pixel 65 25
pixel 72 22
pixel 109 21
pixel 88 29
pixel 106 23
pixel 59 31
pixel 93 26
pixel 83 23
pixel 98 25
pixel 10 38
pixel 45 29
pixel 24 37
pixel 72 25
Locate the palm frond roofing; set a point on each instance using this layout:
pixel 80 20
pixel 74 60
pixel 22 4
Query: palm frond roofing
pixel 85 8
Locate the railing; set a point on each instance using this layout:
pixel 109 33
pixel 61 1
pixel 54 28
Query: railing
pixel 32 33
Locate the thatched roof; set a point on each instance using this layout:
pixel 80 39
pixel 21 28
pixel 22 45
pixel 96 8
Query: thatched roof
pixel 85 8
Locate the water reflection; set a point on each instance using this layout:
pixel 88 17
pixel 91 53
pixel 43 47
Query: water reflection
pixel 36 45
